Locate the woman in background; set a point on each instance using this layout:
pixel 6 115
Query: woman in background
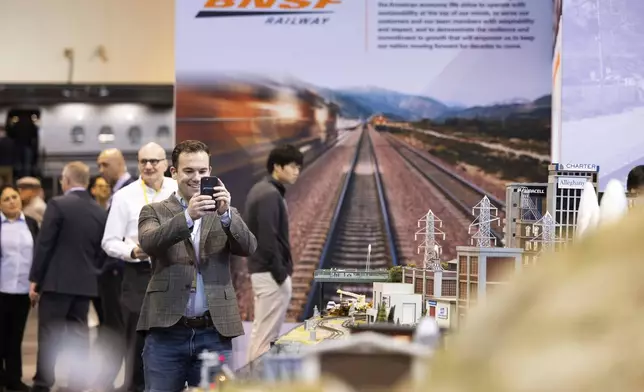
pixel 17 237
pixel 100 190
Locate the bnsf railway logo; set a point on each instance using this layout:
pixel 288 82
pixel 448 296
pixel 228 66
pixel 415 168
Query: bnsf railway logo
pixel 540 191
pixel 277 11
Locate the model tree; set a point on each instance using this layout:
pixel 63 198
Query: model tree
pixel 392 312
pixel 381 317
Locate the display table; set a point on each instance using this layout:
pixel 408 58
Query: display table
pixel 287 351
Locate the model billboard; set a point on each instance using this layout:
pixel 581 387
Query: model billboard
pixel 455 98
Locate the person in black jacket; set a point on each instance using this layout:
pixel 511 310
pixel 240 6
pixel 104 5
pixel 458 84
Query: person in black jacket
pixel 64 274
pixel 17 238
pixel 271 265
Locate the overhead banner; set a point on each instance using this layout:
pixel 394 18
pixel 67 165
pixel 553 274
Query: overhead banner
pixel 603 86
pixel 468 83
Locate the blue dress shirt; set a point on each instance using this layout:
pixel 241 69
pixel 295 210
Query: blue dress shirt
pixel 17 255
pixel 198 302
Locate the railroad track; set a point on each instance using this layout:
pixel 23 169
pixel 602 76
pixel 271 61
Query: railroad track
pixel 463 194
pixel 361 218
pixel 335 332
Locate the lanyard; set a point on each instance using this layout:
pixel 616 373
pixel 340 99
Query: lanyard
pixel 145 193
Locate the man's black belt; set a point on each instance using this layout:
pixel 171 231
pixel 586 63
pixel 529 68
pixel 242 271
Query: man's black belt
pixel 204 321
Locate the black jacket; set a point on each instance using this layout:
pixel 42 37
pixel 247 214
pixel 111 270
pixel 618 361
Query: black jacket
pixel 267 218
pixel 69 246
pixel 33 228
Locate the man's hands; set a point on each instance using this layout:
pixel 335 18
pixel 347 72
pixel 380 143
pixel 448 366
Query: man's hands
pixel 201 205
pixel 34 296
pixel 138 254
pixel 222 197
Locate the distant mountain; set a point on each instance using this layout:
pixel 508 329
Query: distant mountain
pixel 366 101
pixel 362 102
pixel 538 108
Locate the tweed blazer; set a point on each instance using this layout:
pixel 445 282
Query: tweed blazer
pixel 164 235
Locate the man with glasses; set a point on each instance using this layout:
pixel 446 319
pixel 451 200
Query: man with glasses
pixel 120 240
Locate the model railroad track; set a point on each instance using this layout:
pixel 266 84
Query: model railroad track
pixel 335 332
pixel 361 218
pixel 462 193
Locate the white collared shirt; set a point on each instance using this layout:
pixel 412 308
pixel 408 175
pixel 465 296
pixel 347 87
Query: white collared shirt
pixel 121 234
pixel 17 255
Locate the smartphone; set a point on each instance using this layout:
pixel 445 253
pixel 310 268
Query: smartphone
pixel 207 185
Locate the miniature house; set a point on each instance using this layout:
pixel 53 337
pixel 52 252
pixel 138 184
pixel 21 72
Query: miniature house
pixel 353 360
pixel 482 270
pixel 443 311
pixel 408 305
pixel 435 287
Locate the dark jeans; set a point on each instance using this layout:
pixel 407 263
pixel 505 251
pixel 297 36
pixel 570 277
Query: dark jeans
pixel 171 356
pixel 14 309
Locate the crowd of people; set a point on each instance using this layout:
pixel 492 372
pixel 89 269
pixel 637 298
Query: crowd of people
pixel 153 257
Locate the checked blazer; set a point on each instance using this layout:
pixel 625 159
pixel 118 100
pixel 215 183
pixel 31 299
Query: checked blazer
pixel 164 235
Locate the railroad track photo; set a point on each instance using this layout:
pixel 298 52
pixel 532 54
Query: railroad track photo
pixel 463 194
pixel 360 221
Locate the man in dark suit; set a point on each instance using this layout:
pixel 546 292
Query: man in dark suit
pixel 63 274
pixel 190 304
pixel 111 165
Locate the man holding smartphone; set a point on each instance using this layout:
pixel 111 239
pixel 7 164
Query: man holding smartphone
pixel 190 304
pixel 271 266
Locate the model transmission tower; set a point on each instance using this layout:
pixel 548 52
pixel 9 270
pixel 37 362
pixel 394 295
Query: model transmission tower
pixel 432 250
pixel 481 226
pixel 545 233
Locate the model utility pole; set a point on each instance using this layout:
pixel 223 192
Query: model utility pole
pixel 487 214
pixel 431 248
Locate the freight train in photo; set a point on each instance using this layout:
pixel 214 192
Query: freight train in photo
pixel 239 121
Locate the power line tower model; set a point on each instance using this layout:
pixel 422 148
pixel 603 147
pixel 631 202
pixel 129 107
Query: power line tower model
pixel 431 249
pixel 525 204
pixel 545 234
pixel 482 267
pixel 437 286
pixel 565 184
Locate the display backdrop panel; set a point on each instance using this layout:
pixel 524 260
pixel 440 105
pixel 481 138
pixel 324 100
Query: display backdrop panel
pixel 602 86
pixel 451 98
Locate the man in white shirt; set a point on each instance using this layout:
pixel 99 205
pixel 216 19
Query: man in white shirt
pixel 120 241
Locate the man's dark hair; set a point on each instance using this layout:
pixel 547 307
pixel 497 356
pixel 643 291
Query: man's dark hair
pixel 635 178
pixel 284 155
pixel 4 187
pixel 188 147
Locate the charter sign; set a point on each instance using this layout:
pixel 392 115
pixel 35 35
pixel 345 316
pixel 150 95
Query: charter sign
pixel 274 12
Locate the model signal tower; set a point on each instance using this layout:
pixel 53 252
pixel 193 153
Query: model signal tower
pixel 432 249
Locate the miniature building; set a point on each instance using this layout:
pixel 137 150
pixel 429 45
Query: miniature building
pixel 409 306
pixel 565 184
pixel 481 270
pixel 435 287
pixel 525 205
pixel 353 360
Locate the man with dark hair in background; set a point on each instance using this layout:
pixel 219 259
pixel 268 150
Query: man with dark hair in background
pixel 63 275
pixel 190 304
pixel 635 181
pixel 271 266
